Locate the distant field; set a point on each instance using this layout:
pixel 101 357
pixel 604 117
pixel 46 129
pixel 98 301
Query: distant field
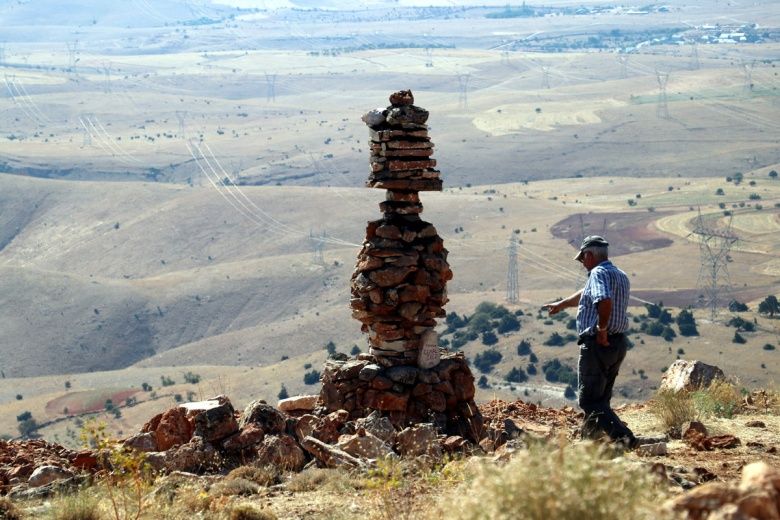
pixel 88 401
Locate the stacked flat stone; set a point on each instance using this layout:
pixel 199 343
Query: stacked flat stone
pixel 399 283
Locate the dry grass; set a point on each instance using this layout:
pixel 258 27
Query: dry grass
pixel 83 505
pixel 720 399
pixel 8 510
pixel 247 511
pixel 673 409
pixel 322 479
pixel 565 482
pixel 263 476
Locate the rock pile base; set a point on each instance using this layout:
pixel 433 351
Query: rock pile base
pixel 443 395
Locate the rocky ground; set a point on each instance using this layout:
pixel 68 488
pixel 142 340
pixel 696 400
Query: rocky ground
pixel 202 442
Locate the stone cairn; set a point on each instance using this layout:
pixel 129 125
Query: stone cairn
pixel 399 289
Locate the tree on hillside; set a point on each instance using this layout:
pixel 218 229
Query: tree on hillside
pixel 489 338
pixel 27 425
pixel 516 375
pixel 773 174
pixel 524 348
pixel 737 306
pixel 486 360
pixel 283 394
pixel 770 306
pixel 686 323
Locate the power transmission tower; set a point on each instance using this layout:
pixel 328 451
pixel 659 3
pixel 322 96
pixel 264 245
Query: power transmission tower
pixel 72 59
pixel 748 70
pixel 512 290
pixel 695 57
pixel 270 80
pixel 181 115
pixel 107 74
pixel 545 77
pixel 623 59
pixel 662 109
pixel 463 83
pixel 428 57
pixel 317 243
pixel 505 57
pixel 2 53
pixel 714 246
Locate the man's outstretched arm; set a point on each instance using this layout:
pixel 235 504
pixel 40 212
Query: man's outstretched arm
pixel 556 307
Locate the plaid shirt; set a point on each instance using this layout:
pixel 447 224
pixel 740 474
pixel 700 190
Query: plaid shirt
pixel 605 281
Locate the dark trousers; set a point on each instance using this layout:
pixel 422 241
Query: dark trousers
pixel 598 367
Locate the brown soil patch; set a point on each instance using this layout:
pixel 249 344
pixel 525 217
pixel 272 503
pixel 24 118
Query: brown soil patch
pixel 88 400
pixel 630 232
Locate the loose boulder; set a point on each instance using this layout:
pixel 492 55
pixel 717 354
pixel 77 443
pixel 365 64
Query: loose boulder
pixel 689 376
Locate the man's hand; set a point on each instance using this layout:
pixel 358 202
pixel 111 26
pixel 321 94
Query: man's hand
pixel 553 308
pixel 601 336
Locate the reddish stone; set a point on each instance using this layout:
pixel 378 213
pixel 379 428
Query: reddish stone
pixel 173 429
pixel 381 383
pixel 251 435
pixel 402 98
pixel 390 401
pixel 390 276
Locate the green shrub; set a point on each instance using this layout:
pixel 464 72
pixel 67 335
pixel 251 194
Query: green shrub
pixel 516 375
pixel 312 377
pixel 738 338
pixel 489 338
pixel 720 399
pixel 524 348
pixel 486 360
pixel 568 483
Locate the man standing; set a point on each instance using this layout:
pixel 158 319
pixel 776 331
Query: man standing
pixel 601 325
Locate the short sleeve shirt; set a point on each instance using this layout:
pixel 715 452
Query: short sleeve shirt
pixel 605 281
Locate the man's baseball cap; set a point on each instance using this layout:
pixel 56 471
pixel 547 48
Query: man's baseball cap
pixel 591 240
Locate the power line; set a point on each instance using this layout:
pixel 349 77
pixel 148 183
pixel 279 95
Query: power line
pixel 714 246
pixel 512 290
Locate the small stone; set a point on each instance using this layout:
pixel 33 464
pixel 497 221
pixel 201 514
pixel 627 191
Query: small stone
pixel 421 439
pixel 282 452
pixel 47 474
pixel 298 403
pixel 364 445
pixel 654 450
pixel 755 424
pixel 402 374
pixel 402 97
pixel 145 442
pixel 374 117
pixel 271 420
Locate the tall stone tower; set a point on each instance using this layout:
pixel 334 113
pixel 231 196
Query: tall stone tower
pixel 399 283
pixel 398 291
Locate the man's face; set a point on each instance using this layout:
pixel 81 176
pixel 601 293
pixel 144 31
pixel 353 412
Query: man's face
pixel 588 260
